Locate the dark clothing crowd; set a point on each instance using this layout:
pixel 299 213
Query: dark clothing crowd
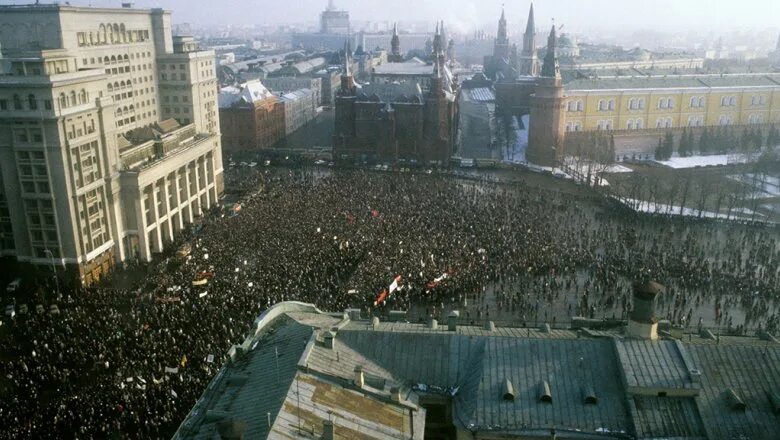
pixel 128 358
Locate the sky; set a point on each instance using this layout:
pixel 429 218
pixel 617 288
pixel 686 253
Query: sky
pixel 468 15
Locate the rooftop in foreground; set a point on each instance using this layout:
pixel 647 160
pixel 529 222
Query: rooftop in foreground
pixel 303 373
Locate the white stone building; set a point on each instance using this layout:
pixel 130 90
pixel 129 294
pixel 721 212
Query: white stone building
pixel 97 166
pixel 300 108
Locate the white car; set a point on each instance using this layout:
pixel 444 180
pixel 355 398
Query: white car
pixel 13 285
pixel 54 310
pixel 10 310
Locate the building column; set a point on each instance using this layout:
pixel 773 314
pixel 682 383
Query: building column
pixel 140 218
pixel 195 175
pixel 188 201
pixel 157 244
pixel 167 204
pixel 202 164
pixel 181 203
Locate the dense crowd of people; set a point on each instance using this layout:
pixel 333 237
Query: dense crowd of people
pixel 129 359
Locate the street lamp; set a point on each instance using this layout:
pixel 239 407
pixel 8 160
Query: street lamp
pixel 54 272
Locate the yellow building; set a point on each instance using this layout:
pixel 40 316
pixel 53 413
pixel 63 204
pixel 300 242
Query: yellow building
pixel 652 102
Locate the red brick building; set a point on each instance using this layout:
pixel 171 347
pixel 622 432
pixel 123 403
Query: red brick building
pixel 250 116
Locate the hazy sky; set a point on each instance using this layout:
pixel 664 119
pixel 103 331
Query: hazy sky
pixel 469 14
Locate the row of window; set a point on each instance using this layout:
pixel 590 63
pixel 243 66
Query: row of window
pixel 638 124
pixel 663 103
pixel 111 34
pixel 73 99
pixel 18 103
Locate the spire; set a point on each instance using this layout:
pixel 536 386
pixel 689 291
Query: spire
pixel 550 67
pixel 501 36
pixel 437 45
pixel 395 46
pixel 346 58
pixel 530 27
pixel 443 33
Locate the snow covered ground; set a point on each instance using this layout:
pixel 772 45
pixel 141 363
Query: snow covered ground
pixel 662 208
pixel 516 153
pixel 703 161
pixel 766 185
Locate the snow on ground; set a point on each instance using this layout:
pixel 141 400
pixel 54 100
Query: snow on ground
pixel 516 154
pixel 703 161
pixel 662 208
pixel 766 185
pixel 617 168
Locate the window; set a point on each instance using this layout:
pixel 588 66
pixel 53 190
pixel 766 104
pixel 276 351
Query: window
pixel 694 101
pixel 632 104
pixel 3 104
pixel 601 105
pixel 612 104
pixel 639 124
pixel 47 104
pixel 630 124
pixel 732 101
pixel 17 103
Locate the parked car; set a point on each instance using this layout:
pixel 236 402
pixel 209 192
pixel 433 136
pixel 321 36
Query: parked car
pixel 54 310
pixel 39 309
pixel 10 310
pixel 23 310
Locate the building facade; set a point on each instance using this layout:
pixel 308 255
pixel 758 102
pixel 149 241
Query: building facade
pixel 334 20
pixel 300 108
pixel 286 84
pixel 93 171
pixel 412 116
pixel 250 117
pixel 634 104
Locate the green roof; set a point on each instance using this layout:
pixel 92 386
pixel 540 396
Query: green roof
pixel 674 82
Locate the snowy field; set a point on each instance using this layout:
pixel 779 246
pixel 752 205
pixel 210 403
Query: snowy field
pixel 662 208
pixel 703 161
pixel 766 185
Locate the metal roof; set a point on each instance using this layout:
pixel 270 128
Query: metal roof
pixel 674 82
pixel 635 388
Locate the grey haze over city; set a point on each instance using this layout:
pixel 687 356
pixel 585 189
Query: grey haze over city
pixel 469 15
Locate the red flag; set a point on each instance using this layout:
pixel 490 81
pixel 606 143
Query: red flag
pixel 381 298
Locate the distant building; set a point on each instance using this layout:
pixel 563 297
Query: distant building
pixel 109 135
pixel 334 20
pixel 334 28
pixel 300 108
pixel 286 84
pixel 341 375
pixel 300 68
pixel 250 116
pixel 635 95
pixel 408 111
pixel 775 56
pixel 330 84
